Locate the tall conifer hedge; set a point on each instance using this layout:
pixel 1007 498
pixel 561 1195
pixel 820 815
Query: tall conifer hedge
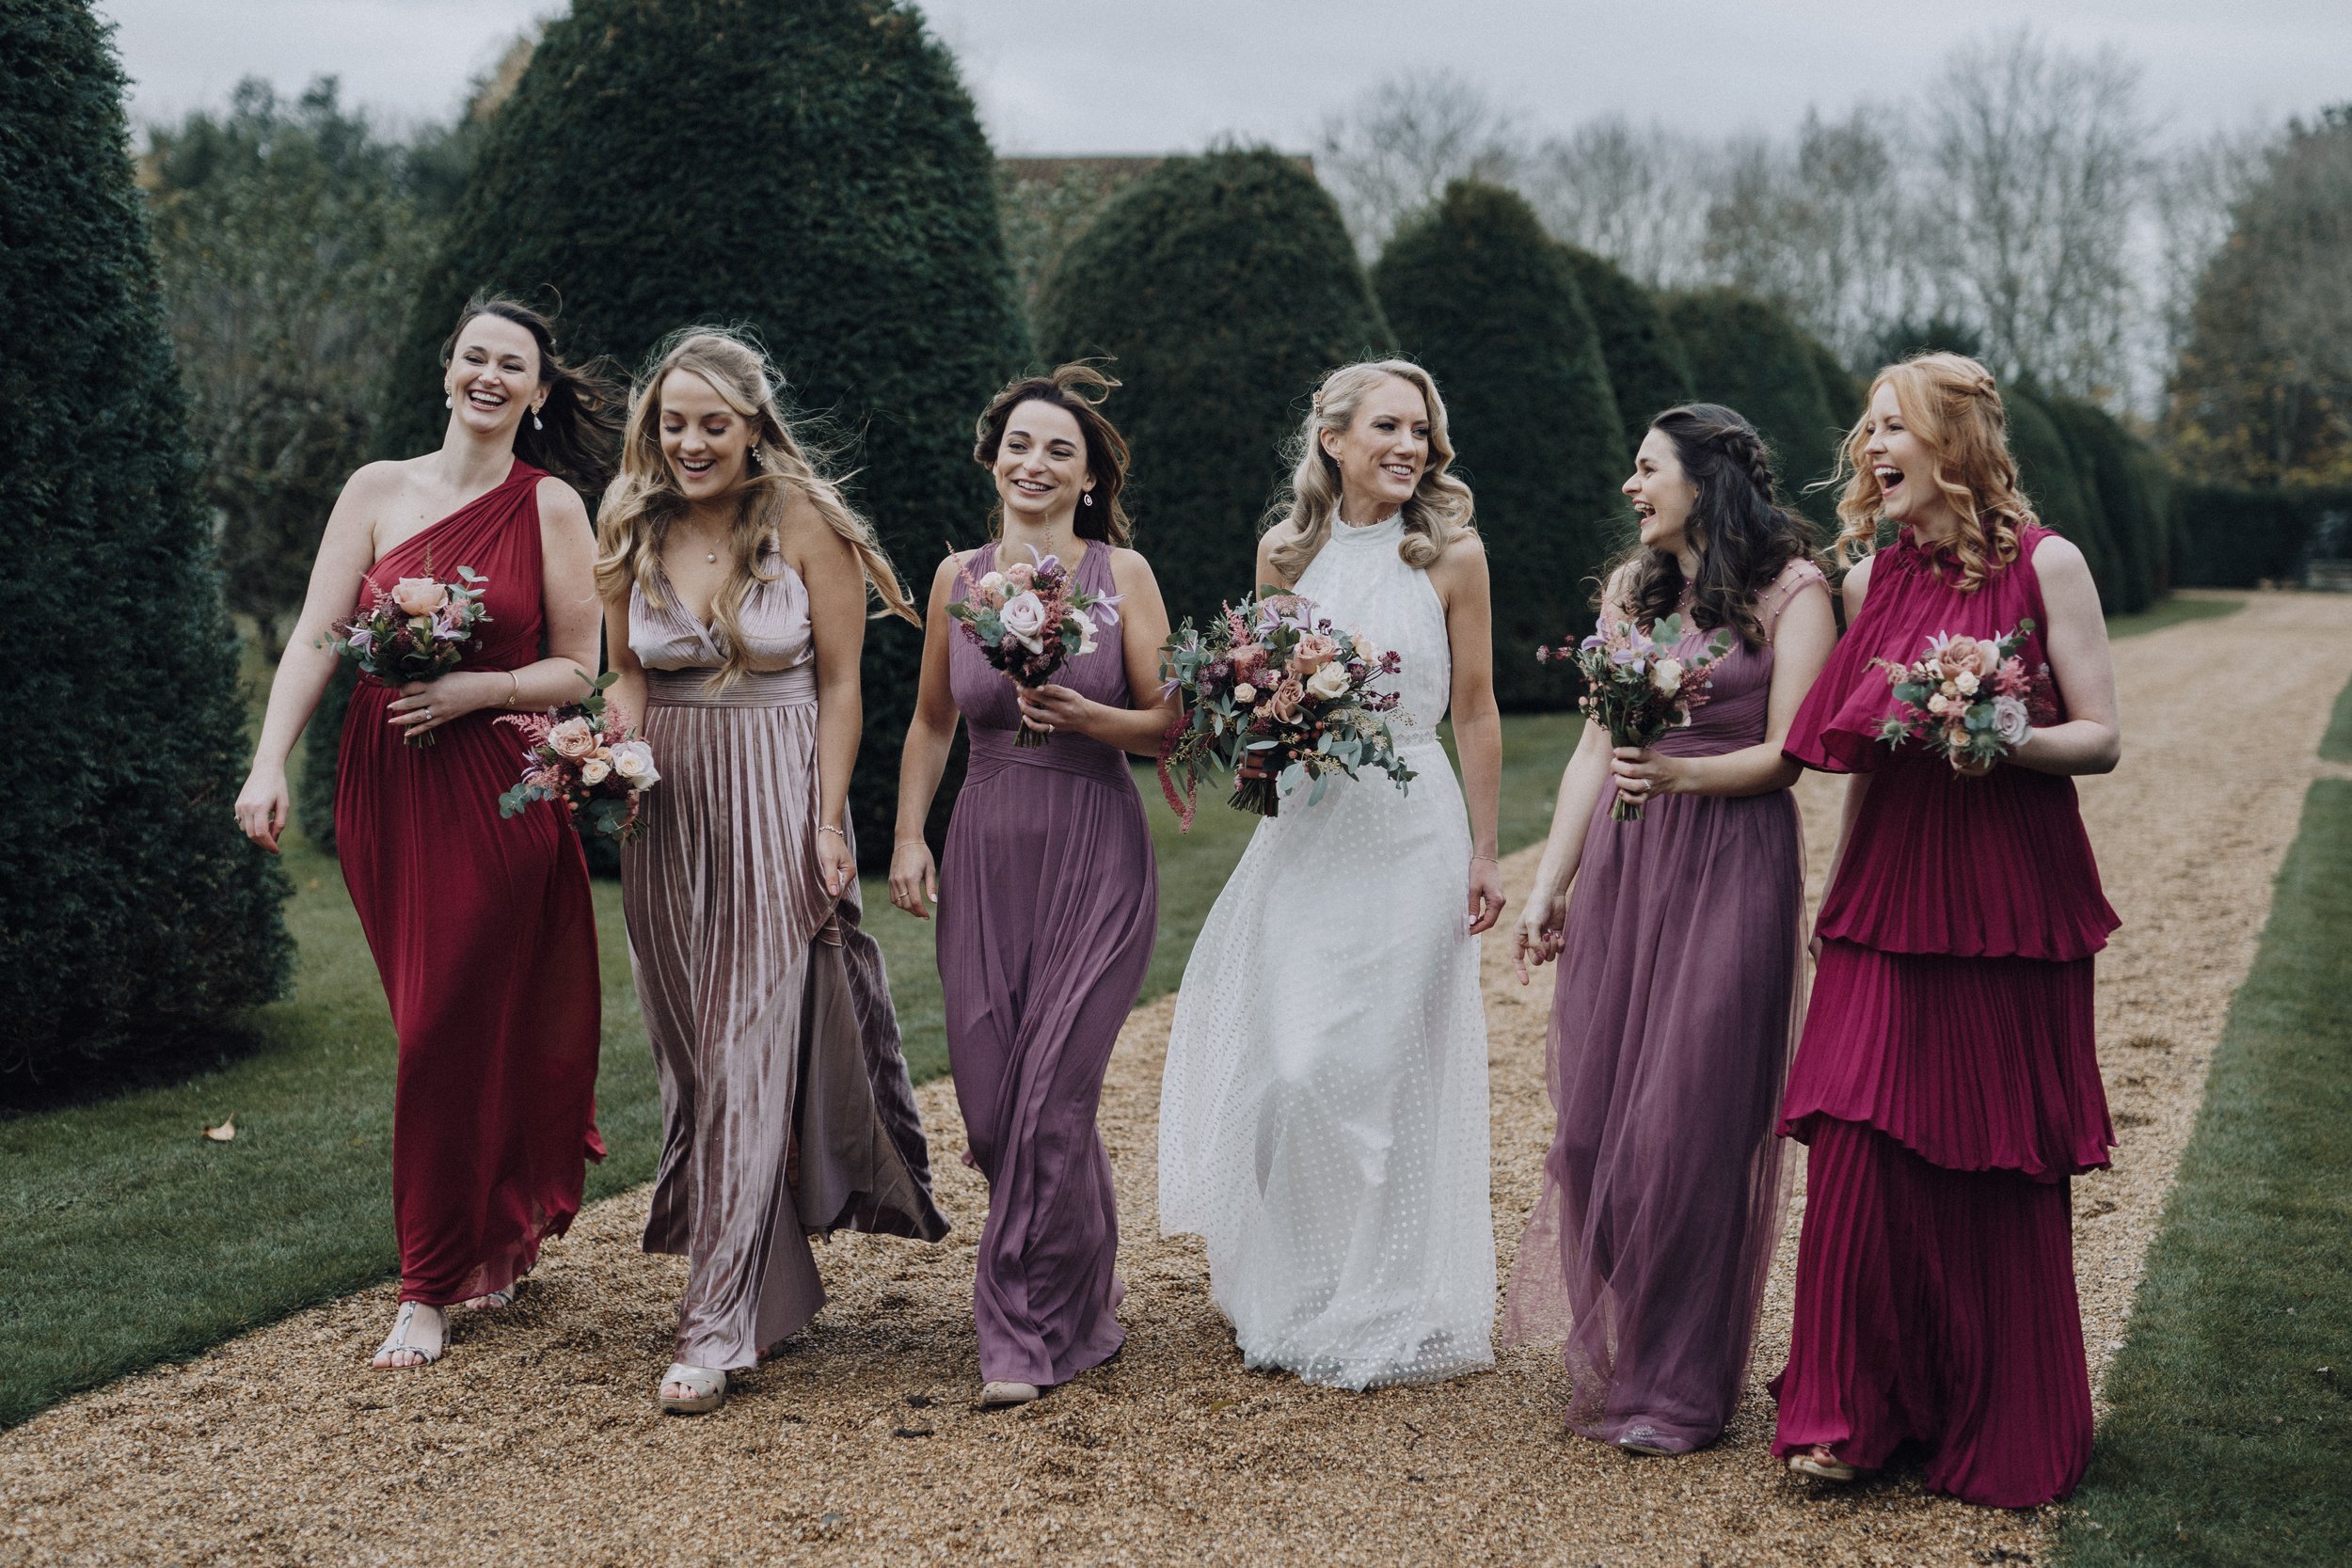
pixel 2109 459
pixel 2061 496
pixel 1747 355
pixel 811 170
pixel 1648 372
pixel 1223 287
pixel 134 916
pixel 1482 296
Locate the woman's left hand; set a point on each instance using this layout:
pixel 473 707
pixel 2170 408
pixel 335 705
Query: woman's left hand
pixel 423 706
pixel 1051 707
pixel 834 864
pixel 1640 773
pixel 1485 892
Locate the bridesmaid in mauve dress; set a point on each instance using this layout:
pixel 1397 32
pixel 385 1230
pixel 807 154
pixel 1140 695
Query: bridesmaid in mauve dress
pixel 481 928
pixel 736 582
pixel 1680 964
pixel 1947 1080
pixel 1049 898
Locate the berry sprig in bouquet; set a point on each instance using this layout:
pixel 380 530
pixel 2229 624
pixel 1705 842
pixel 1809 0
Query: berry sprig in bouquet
pixel 1637 686
pixel 1029 619
pixel 416 631
pixel 1969 698
pixel 586 755
pixel 1272 683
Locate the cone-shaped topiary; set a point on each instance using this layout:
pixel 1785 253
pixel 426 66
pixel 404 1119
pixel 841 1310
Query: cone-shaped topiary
pixel 1477 293
pixel 1840 388
pixel 1222 287
pixel 2055 486
pixel 134 916
pixel 1747 355
pixel 1648 370
pixel 810 169
pixel 2110 460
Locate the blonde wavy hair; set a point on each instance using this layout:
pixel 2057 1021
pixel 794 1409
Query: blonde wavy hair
pixel 1437 512
pixel 643 499
pixel 1953 406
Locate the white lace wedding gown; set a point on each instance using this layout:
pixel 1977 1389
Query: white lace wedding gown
pixel 1323 1117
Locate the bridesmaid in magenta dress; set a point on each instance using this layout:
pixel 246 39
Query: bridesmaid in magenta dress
pixel 1680 955
pixel 1947 1082
pixel 481 926
pixel 1049 898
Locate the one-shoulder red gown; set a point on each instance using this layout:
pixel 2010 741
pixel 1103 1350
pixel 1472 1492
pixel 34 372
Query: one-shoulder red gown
pixel 1947 1082
pixel 483 930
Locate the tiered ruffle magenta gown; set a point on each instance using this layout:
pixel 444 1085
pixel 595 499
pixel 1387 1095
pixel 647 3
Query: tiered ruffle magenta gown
pixel 1946 1083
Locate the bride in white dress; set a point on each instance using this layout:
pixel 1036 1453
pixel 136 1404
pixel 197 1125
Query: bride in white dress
pixel 1323 1117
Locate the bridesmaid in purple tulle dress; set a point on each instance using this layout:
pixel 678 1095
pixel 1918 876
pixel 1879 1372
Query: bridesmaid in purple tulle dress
pixel 1947 1082
pixel 1049 898
pixel 1679 963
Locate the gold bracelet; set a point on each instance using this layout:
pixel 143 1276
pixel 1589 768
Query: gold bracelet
pixel 513 688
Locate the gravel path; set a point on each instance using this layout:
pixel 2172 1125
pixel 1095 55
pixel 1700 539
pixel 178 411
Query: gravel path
pixel 536 1441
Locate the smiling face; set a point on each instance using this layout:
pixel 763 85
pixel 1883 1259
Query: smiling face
pixel 493 375
pixel 1901 463
pixel 1663 495
pixel 1041 467
pixel 1382 452
pixel 703 437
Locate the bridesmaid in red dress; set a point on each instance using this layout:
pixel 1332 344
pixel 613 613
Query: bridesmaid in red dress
pixel 481 928
pixel 1946 1079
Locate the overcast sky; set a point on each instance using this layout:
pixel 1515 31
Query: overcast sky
pixel 1169 75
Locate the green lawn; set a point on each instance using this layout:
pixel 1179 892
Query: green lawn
pixel 2231 1438
pixel 2171 611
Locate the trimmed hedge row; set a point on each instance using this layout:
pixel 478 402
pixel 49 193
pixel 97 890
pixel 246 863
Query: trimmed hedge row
pixel 2229 536
pixel 1490 303
pixel 1648 372
pixel 135 919
pixel 1749 357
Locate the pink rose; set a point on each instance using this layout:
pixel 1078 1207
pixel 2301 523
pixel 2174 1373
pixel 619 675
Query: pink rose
pixel 1021 575
pixel 573 738
pixel 1248 659
pixel 1313 652
pixel 1966 655
pixel 1025 617
pixel 1286 698
pixel 418 595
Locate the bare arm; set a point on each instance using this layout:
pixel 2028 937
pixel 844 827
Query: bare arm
pixel 931 734
pixel 2092 739
pixel 836 620
pixel 627 695
pixel 1142 632
pixel 1460 578
pixel 346 550
pixel 1267 571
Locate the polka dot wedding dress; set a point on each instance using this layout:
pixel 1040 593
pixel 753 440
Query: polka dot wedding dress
pixel 1322 1118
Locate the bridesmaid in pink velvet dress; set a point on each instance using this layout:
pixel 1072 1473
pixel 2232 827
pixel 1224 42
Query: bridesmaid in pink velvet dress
pixel 1946 1079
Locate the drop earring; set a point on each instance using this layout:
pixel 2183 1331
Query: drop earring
pixel 449 400
pixel 534 420
pixel 1088 498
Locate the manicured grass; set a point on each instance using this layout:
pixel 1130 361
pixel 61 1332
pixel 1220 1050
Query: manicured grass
pixel 2171 610
pixel 2230 1439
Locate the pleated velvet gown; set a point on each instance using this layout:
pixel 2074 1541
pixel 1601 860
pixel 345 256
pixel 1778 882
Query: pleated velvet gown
pixel 1676 1003
pixel 1947 1080
pixel 786 1110
pixel 483 934
pixel 1048 902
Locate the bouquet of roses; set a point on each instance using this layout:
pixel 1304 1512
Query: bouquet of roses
pixel 1636 687
pixel 1273 681
pixel 414 631
pixel 1968 697
pixel 587 756
pixel 1027 619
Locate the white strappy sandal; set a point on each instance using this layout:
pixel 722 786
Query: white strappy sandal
pixel 491 1301
pixel 705 1389
pixel 398 1343
pixel 1004 1396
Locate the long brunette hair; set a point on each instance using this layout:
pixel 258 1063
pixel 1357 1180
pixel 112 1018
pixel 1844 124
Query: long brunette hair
pixel 1740 533
pixel 573 434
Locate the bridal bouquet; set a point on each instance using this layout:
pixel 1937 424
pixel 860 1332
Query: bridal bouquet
pixel 587 756
pixel 1274 683
pixel 1028 619
pixel 414 631
pixel 1636 687
pixel 1968 697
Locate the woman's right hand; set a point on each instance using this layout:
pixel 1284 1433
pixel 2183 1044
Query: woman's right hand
pixel 1541 933
pixel 913 878
pixel 264 806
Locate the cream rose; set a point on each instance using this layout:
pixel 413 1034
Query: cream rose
pixel 1667 675
pixel 991 582
pixel 1966 681
pixel 1313 652
pixel 1244 692
pixel 1025 617
pixel 594 771
pixel 418 595
pixel 573 738
pixel 1939 704
pixel 633 761
pixel 1328 683
pixel 2012 724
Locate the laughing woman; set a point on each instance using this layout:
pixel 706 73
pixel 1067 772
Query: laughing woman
pixel 1947 1082
pixel 736 581
pixel 481 928
pixel 1680 955
pixel 1049 900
